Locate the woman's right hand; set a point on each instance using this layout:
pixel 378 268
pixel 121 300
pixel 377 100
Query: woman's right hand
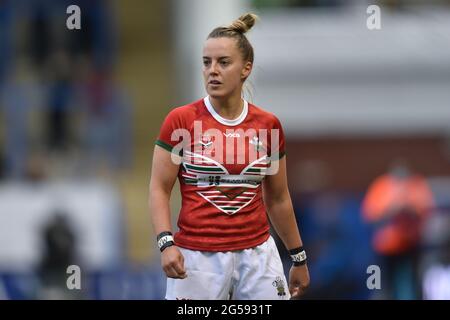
pixel 172 262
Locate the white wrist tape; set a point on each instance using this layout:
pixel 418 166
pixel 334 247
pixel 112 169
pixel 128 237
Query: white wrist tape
pixel 164 240
pixel 299 257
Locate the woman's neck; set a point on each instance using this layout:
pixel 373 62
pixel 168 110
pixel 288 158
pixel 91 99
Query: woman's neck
pixel 229 108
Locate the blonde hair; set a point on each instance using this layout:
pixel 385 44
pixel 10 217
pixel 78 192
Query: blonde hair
pixel 237 30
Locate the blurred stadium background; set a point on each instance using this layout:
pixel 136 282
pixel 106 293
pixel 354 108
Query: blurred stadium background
pixel 366 114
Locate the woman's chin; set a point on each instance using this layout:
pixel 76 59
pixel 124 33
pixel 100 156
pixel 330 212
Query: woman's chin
pixel 216 94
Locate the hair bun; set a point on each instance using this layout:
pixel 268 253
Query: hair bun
pixel 243 23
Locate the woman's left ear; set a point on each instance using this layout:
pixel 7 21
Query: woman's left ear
pixel 246 70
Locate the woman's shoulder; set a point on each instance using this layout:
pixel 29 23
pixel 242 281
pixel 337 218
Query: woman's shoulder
pixel 261 113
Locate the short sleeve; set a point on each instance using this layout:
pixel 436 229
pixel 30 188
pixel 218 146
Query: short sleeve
pixel 277 140
pixel 168 137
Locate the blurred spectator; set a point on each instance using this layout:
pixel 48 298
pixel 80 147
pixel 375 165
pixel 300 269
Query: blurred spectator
pixel 40 32
pixel 2 173
pixel 6 50
pixel 398 204
pixel 6 54
pixel 59 253
pixel 57 52
pixel 15 107
pixel 60 97
pixel 107 122
pixel 96 38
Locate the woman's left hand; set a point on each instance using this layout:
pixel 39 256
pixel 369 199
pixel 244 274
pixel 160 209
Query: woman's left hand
pixel 298 281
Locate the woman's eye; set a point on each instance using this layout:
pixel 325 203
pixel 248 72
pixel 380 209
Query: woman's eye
pixel 224 63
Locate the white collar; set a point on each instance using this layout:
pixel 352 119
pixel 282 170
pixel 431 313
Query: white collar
pixel 227 122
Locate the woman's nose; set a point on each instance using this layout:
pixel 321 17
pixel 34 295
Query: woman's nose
pixel 213 68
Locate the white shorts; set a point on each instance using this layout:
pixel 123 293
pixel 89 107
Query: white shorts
pixel 250 274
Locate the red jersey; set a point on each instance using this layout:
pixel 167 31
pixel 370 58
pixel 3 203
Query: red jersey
pixel 223 164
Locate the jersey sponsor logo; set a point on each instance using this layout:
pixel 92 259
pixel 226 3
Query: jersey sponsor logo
pixel 209 172
pixel 232 192
pixel 232 135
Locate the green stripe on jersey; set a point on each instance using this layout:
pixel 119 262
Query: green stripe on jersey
pixel 204 168
pixel 167 147
pixel 164 145
pixel 255 170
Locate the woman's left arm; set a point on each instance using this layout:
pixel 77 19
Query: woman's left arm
pixel 281 213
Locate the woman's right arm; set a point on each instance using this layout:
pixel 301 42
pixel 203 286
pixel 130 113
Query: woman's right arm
pixel 163 177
